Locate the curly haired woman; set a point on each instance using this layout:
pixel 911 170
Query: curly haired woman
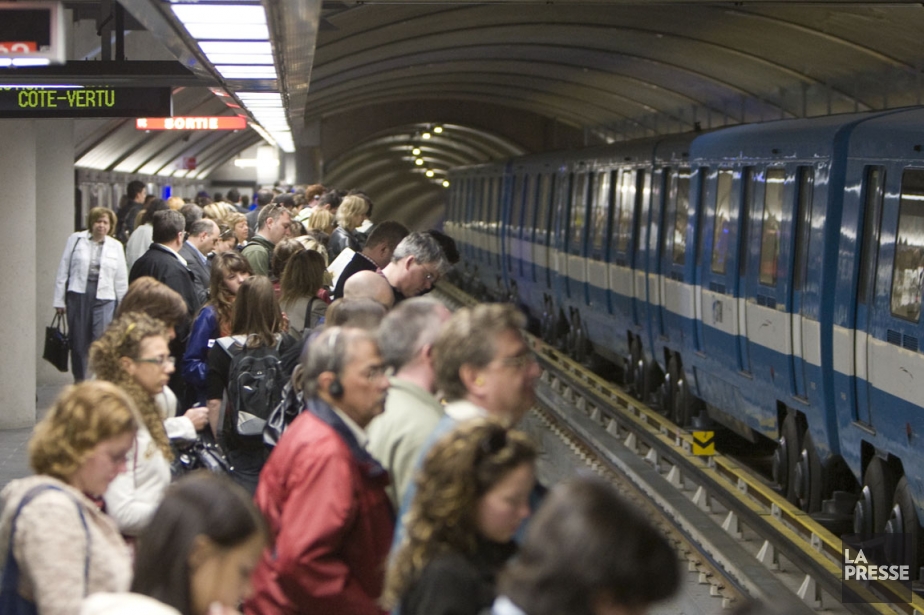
pixel 133 354
pixel 472 495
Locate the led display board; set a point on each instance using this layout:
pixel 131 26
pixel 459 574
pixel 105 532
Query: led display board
pixel 32 34
pixel 79 101
pixel 221 122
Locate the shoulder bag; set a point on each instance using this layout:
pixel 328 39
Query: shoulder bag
pixel 11 601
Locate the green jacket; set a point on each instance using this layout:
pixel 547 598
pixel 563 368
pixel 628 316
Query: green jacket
pixel 258 253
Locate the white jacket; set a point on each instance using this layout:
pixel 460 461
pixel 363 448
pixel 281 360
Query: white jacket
pixel 138 244
pixel 124 604
pixel 134 495
pixel 74 269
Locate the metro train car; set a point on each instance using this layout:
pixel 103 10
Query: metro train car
pixel 767 277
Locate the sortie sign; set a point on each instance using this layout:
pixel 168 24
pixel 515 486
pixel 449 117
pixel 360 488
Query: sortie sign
pixel 89 101
pixel 225 122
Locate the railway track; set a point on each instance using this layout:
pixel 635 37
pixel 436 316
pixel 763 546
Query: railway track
pixel 743 539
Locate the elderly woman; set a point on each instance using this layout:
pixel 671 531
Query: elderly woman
pixel 92 278
pixel 472 495
pixel 238 224
pixel 57 544
pixel 351 213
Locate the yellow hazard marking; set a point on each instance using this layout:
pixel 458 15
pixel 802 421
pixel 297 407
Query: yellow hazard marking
pixel 704 443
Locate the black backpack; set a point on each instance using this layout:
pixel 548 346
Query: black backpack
pixel 255 381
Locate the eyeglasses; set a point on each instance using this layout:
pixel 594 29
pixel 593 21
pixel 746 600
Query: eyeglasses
pixel 158 361
pixel 226 234
pixel 520 361
pixel 377 371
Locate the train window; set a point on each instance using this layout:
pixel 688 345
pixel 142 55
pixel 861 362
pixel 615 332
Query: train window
pixel 578 217
pixel 770 228
pixel 872 212
pixel 908 269
pixel 720 234
pixel 624 209
pixel 680 195
pixel 803 226
pixel 599 210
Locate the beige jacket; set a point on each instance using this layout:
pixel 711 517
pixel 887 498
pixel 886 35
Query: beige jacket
pixel 50 546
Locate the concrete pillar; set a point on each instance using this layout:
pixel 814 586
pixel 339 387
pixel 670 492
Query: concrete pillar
pixel 17 275
pixel 37 183
pixel 54 209
pixel 308 165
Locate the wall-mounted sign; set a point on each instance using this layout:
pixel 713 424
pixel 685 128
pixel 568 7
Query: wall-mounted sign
pixel 80 101
pixel 32 33
pixel 227 122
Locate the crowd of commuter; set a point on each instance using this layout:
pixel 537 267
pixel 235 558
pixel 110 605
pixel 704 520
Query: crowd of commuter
pixel 369 456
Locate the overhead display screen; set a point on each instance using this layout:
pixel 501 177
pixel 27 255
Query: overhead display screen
pixel 90 101
pixel 31 34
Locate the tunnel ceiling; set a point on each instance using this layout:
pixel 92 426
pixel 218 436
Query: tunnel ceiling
pixel 539 76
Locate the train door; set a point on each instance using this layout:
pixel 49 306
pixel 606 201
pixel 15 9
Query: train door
pixel 660 188
pixel 699 209
pixel 558 242
pixel 724 264
pixel 514 226
pixel 528 219
pixel 872 194
pixel 598 240
pixel 493 224
pixel 805 185
pixel 625 244
pixel 676 295
pixel 542 258
pixel 575 238
pixel 895 373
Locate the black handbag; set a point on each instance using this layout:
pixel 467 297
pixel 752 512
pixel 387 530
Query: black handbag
pixel 57 346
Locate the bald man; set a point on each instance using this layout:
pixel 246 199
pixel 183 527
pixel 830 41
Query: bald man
pixel 369 285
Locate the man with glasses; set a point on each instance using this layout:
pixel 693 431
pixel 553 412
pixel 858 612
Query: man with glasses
pixel 323 495
pixel 416 266
pixel 271 229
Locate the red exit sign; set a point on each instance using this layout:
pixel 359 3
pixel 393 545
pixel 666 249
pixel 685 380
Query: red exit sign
pixel 18 47
pixel 225 122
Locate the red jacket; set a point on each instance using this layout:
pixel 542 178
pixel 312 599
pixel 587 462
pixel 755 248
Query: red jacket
pixel 331 522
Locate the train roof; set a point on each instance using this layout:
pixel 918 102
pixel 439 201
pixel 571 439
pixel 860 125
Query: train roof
pixel 801 139
pixel 895 135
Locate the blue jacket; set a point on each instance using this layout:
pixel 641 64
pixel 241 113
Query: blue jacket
pixel 195 367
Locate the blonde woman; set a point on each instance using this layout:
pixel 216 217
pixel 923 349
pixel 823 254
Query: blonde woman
pixel 351 213
pixel 472 495
pixel 64 547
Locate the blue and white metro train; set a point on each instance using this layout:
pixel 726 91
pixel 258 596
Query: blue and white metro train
pixel 768 277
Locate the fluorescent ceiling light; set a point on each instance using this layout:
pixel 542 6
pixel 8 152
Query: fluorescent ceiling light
pixel 239 58
pixel 244 47
pixel 247 72
pixel 244 14
pixel 31 61
pixel 228 32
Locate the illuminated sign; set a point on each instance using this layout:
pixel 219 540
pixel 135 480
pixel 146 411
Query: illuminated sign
pixel 32 34
pixel 226 122
pixel 79 101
